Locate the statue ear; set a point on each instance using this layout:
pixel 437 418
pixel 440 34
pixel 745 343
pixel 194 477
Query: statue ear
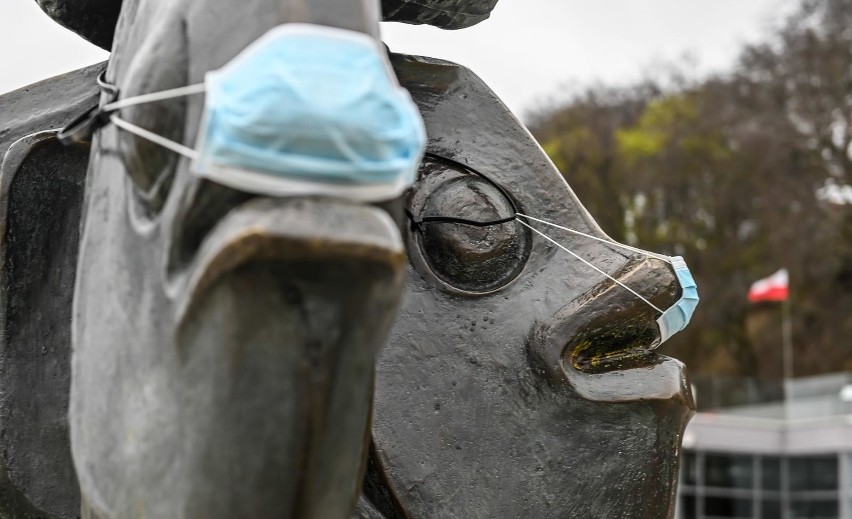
pixel 94 20
pixel 41 196
pixel 446 14
pixel 41 202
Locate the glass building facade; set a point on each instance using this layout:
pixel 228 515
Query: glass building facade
pixel 774 460
pixel 718 484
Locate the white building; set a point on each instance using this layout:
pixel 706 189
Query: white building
pixel 772 460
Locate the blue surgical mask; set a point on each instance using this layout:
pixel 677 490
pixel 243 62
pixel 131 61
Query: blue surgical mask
pixel 677 316
pixel 304 110
pixel 671 320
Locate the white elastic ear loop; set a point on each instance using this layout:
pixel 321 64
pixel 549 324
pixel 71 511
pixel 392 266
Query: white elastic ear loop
pixel 152 98
pixel 551 240
pixel 608 242
pixel 153 137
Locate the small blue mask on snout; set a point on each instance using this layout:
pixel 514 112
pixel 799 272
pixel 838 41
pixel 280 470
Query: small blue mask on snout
pixel 671 320
pixel 677 316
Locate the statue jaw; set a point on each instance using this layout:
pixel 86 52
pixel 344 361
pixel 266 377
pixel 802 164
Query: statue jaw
pixel 257 358
pixel 289 302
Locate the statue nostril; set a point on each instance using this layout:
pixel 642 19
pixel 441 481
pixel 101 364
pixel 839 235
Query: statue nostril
pixel 615 342
pixel 609 329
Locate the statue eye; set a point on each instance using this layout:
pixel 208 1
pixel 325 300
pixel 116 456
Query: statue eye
pixel 469 257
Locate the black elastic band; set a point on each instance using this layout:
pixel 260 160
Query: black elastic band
pixel 82 128
pixel 417 224
pixel 469 169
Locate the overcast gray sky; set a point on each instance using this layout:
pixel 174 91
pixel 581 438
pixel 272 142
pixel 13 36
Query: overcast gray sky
pixel 527 51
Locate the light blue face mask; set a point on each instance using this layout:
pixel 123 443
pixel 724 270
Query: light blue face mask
pixel 673 319
pixel 304 110
pixel 677 316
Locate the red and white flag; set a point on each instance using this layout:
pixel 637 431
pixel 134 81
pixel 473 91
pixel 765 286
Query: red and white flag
pixel 774 288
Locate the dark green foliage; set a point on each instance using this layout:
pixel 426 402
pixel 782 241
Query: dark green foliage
pixel 726 172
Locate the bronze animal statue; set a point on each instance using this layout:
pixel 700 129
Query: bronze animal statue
pixel 225 354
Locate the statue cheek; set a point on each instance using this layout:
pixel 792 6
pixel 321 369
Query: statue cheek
pixel 161 64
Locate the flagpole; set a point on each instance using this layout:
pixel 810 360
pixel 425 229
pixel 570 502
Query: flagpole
pixel 787 334
pixel 787 340
pixel 776 288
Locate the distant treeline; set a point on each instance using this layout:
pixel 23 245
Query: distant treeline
pixel 741 173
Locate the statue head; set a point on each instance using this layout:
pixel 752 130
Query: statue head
pixel 223 338
pixel 517 381
pixel 220 337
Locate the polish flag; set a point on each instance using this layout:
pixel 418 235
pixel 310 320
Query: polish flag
pixel 774 288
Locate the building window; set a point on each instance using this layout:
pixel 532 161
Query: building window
pixel 724 485
pixel 770 509
pixel 727 507
pixel 687 507
pixel 770 473
pixel 815 509
pixel 689 469
pixel 722 470
pixel 813 473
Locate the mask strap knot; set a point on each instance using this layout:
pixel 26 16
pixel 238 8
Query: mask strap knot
pixel 83 127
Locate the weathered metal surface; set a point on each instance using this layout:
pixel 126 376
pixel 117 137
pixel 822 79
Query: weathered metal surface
pixel 487 403
pixel 41 192
pixel 41 187
pixel 447 14
pixel 47 105
pixel 225 344
pixel 94 20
